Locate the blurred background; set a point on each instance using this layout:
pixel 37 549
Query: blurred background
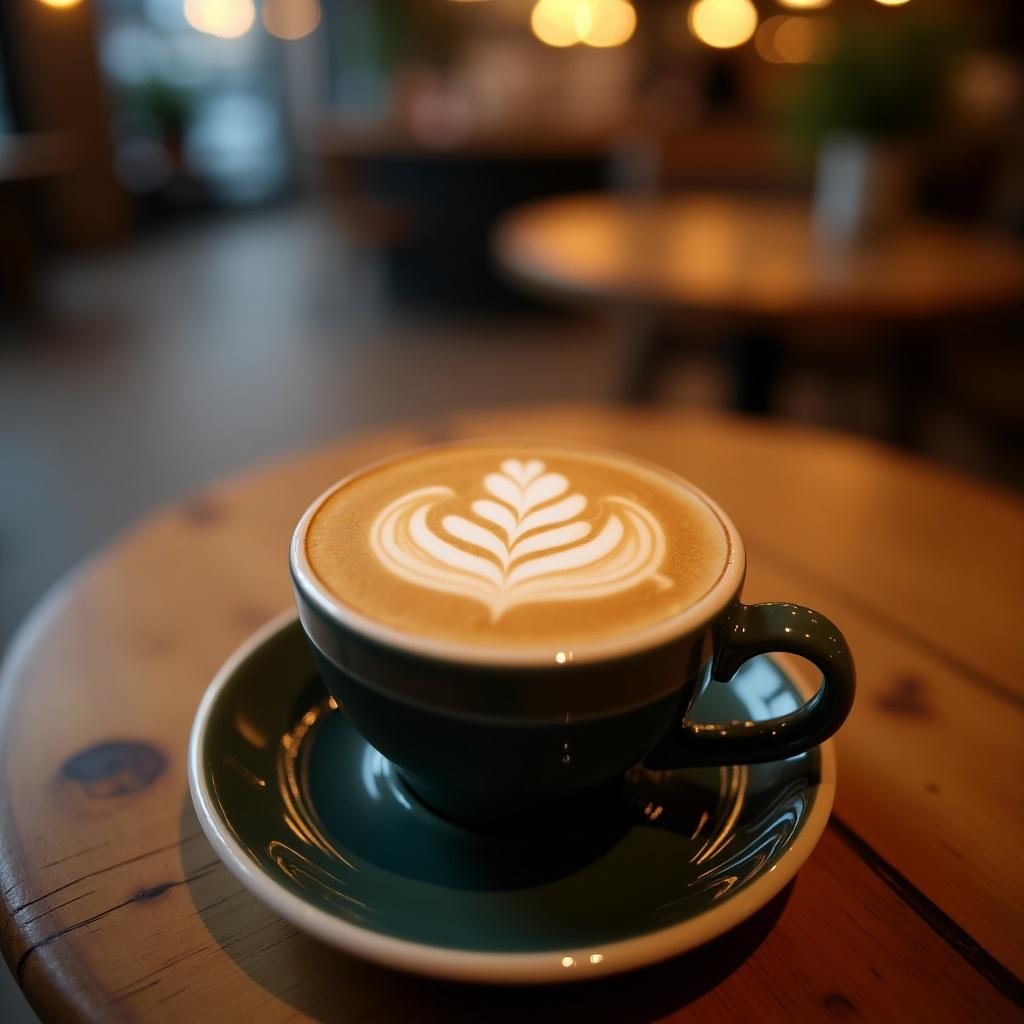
pixel 229 228
pixel 232 227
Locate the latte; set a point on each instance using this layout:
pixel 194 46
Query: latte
pixel 507 544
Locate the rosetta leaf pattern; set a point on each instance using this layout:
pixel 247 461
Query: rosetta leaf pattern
pixel 526 542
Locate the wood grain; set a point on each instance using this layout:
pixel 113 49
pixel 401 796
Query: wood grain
pixel 735 254
pixel 928 776
pixel 839 945
pixel 115 907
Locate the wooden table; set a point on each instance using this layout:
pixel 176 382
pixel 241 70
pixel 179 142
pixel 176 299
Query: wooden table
pixel 757 262
pixel 910 908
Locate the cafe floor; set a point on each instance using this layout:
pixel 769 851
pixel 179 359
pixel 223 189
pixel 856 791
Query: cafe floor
pixel 154 368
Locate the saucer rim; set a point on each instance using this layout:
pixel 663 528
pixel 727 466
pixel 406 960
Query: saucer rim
pixel 459 964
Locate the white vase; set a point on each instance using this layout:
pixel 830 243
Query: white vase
pixel 861 188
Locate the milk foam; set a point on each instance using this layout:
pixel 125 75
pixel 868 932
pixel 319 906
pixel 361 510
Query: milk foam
pixel 516 544
pixel 527 543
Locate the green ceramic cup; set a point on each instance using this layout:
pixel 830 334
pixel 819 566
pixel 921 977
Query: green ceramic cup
pixel 503 742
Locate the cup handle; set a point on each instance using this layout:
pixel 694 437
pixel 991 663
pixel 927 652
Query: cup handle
pixel 747 631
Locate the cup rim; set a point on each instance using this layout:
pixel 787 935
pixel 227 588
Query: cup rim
pixel 725 588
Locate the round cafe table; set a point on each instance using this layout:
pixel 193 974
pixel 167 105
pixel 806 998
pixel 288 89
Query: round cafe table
pixel 115 906
pixel 756 263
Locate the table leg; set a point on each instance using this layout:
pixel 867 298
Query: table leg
pixel 18 257
pixel 651 345
pixel 757 360
pixel 912 379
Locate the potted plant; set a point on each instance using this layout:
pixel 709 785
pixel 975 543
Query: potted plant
pixel 861 114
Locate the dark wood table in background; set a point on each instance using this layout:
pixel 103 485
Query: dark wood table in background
pixel 756 264
pixel 27 162
pixel 115 907
pixel 426 196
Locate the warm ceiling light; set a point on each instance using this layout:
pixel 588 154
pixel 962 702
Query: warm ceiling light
pixel 600 23
pixel 764 40
pixel 892 3
pixel 554 22
pixel 290 19
pixel 61 3
pixel 605 23
pixel 794 39
pixel 723 24
pixel 826 39
pixel 227 19
pixel 804 5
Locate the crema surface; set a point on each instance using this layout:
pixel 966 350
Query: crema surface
pixel 507 544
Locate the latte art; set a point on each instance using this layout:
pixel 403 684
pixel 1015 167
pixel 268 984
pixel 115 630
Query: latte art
pixel 512 546
pixel 525 543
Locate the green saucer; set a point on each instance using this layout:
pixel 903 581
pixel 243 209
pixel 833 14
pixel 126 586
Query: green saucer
pixel 319 826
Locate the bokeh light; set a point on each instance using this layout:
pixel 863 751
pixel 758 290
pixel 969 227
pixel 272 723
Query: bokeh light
pixel 722 24
pixel 599 23
pixel 227 19
pixel 605 23
pixel 795 39
pixel 290 19
pixel 61 3
pixel 892 3
pixel 554 22
pixel 804 5
pixel 764 40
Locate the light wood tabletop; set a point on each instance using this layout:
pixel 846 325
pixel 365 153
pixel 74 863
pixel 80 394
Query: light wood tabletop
pixel 751 256
pixel 115 907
